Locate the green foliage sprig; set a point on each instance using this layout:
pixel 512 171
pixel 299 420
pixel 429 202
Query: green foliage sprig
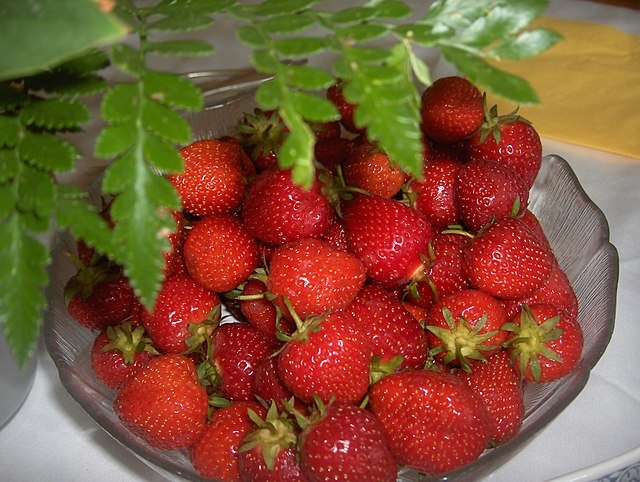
pixel 375 49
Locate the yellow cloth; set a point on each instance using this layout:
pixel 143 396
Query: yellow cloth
pixel 588 85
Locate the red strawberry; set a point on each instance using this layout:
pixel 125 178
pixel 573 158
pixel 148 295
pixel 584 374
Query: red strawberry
pixel 266 383
pixel 184 315
pixel 389 237
pixel 533 223
pixel 257 309
pixel 487 189
pixel 278 211
pixel 465 326
pixel 336 236
pixel 261 135
pixel 346 443
pixel 391 328
pixel 435 192
pixel 237 349
pixel 452 109
pixel 443 273
pixel 212 180
pixel 546 343
pixel 370 169
pixel 507 260
pixel 99 295
pixel 219 253
pixel 269 453
pixel 214 455
pixel 557 290
pixel 313 277
pixel 510 140
pixel 118 352
pixel 345 108
pixel 502 391
pixel 313 361
pixel 332 151
pixel 434 421
pixel 164 403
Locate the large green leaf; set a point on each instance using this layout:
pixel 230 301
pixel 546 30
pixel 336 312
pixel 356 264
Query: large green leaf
pixel 39 34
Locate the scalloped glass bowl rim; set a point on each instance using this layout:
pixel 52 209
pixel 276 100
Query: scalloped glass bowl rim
pixel 556 197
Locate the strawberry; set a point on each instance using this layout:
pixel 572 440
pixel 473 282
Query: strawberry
pixel 465 326
pixel 266 384
pixel 370 169
pixel 487 189
pixel 214 455
pixel 546 342
pixel 507 260
pixel 336 236
pixel 510 140
pixel 314 359
pixel 501 389
pixel 237 349
pixel 391 328
pixel 443 270
pixel 260 312
pixel 164 403
pixel 212 180
pixel 269 453
pixel 313 277
pixel 184 315
pixel 345 108
pixel 278 211
pixel 389 237
pixel 118 352
pixel 434 193
pixel 331 152
pixel 452 109
pixel 345 443
pixel 219 253
pixel 435 423
pixel 99 295
pixel 261 134
pixel 533 223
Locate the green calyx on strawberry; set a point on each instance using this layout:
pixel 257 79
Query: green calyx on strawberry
pixel 461 341
pixel 530 341
pixel 89 276
pixel 261 133
pixel 200 333
pixel 304 328
pixel 129 341
pixel 493 121
pixel 274 432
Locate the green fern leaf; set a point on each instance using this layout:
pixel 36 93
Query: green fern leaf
pixel 121 103
pixel 165 122
pixel 48 152
pixel 180 48
pixel 309 78
pixel 127 59
pixel 288 23
pixel 9 130
pixel 314 108
pixel 189 22
pixel 299 47
pixel 9 164
pixel 55 114
pixel 36 195
pixel 162 155
pixel 172 90
pixel 115 139
pixel 526 44
pixel 252 36
pixel 120 174
pixel 392 9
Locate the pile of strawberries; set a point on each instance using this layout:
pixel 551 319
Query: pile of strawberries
pixel 380 321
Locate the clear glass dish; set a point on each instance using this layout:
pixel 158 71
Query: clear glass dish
pixel 577 230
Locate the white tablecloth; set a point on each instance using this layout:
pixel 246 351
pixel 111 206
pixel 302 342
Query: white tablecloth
pixel 52 438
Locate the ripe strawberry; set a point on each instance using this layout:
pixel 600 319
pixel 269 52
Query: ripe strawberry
pixel 278 211
pixel 184 315
pixel 336 236
pixel 502 391
pixel 345 108
pixel 370 169
pixel 346 443
pixel 556 290
pixel 435 423
pixel 212 180
pixel 312 362
pixel 510 140
pixel 118 352
pixel 313 277
pixel 99 295
pixel 237 349
pixel 269 453
pixel 219 253
pixel 331 152
pixel 443 270
pixel 164 403
pixel 214 455
pixel 452 109
pixel 486 190
pixel 435 193
pixel 507 260
pixel 546 342
pixel 389 237
pixel 391 328
pixel 260 312
pixel 533 223
pixel 266 383
pixel 465 326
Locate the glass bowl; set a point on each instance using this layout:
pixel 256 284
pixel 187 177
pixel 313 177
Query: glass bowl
pixel 575 226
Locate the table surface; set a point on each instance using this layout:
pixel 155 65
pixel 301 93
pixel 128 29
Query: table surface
pixel 52 438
